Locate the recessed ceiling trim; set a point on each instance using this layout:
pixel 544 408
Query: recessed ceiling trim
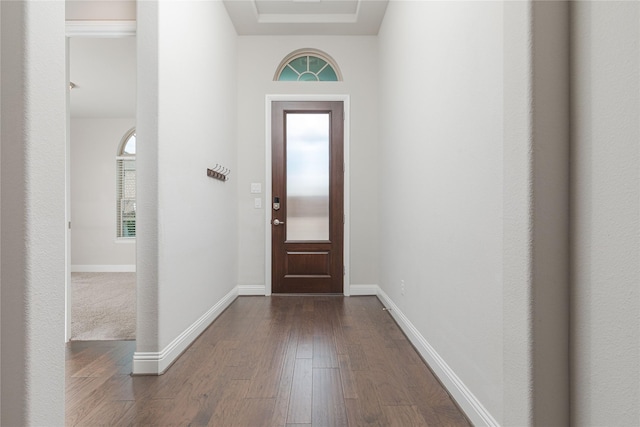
pixel 100 28
pixel 286 17
pixel 256 12
pixel 358 8
pixel 307 19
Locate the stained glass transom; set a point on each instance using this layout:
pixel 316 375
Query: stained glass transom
pixel 307 67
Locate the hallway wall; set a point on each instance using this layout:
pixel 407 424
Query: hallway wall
pixel 441 141
pixel 32 245
pixel 605 212
pixel 357 58
pixel 187 234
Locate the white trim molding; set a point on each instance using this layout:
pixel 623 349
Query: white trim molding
pixel 101 28
pixel 99 268
pixel 157 363
pixel 469 403
pixel 346 100
pixel 361 290
pixel 251 290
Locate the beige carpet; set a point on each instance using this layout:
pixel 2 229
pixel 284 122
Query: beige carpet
pixel 103 306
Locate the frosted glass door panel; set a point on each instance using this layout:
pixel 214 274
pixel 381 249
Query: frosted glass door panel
pixel 307 176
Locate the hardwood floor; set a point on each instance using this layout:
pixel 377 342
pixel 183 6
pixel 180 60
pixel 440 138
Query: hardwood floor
pixel 268 361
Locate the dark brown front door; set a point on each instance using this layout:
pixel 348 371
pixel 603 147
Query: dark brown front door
pixel 307 220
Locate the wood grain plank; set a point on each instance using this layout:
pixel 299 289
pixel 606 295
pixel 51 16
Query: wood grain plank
pixel 450 415
pixel 390 389
pixel 195 402
pixel 226 407
pixel 286 382
pixel 109 413
pixel 347 376
pixel 324 352
pixel 328 401
pixel 266 380
pixel 357 417
pixel 97 393
pixel 404 416
pixel 106 363
pixel 253 412
pixel 79 387
pixel 357 358
pixel 150 412
pixel 301 393
pixel 305 339
pixel 368 410
pixel 340 339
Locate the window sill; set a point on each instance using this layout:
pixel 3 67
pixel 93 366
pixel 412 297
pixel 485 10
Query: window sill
pixel 125 240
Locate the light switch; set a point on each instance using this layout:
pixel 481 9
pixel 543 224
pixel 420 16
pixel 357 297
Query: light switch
pixel 257 203
pixel 256 188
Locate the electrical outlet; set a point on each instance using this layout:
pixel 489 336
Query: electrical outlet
pixel 402 289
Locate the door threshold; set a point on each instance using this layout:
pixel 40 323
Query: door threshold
pixel 307 295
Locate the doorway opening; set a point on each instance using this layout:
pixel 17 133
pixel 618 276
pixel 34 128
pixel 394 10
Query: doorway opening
pixel 101 111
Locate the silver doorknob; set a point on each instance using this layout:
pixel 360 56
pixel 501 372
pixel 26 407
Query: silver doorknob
pixel 277 222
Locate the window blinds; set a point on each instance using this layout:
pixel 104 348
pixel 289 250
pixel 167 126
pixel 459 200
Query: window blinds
pixel 126 198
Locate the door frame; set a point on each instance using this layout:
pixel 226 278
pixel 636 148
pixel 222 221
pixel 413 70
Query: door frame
pixel 345 99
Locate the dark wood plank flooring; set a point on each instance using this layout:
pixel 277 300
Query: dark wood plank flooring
pixel 268 361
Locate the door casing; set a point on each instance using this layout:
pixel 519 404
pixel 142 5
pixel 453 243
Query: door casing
pixel 268 181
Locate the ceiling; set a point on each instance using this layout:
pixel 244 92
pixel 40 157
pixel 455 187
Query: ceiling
pixel 104 72
pixel 306 17
pixel 104 69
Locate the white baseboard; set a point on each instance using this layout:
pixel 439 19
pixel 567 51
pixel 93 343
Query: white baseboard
pixel 251 290
pixel 469 403
pixel 156 363
pixel 360 290
pixel 83 268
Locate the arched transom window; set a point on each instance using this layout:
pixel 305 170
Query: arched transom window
pixel 126 187
pixel 308 65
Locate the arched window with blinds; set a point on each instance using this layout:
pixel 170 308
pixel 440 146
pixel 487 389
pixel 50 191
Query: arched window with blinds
pixel 126 187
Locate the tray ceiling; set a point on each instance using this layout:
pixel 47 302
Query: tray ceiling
pixel 306 17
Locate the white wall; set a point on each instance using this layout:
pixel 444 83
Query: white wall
pixel 94 146
pixel 86 10
pixel 479 136
pixel 605 213
pixel 33 213
pixel 441 185
pixel 258 59
pixel 535 214
pixel 187 235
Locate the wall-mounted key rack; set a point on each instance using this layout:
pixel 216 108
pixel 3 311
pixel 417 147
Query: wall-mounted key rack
pixel 219 172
